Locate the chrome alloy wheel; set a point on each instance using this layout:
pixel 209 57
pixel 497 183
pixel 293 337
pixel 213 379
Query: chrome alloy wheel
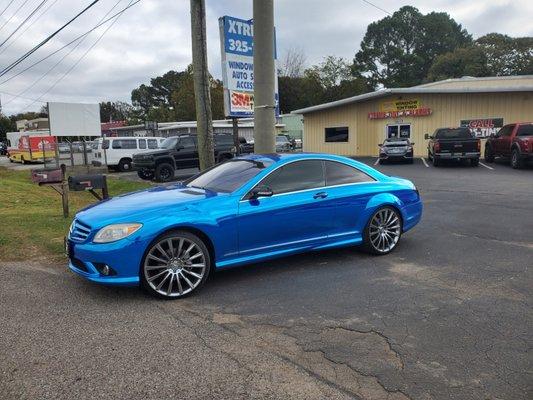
pixel 384 230
pixel 174 266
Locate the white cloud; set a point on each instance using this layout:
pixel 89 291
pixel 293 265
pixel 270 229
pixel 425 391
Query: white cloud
pixel 154 37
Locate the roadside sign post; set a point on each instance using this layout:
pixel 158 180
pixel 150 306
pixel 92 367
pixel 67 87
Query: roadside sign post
pixel 235 130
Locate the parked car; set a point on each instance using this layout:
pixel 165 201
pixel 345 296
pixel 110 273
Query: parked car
pixel 3 149
pixel 253 208
pixel 453 144
pixel 63 147
pixel 178 152
pixel 514 141
pixel 282 144
pixel 117 152
pixel 246 147
pixel 396 149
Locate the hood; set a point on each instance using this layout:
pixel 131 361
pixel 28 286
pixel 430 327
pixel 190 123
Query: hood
pixel 159 152
pixel 143 205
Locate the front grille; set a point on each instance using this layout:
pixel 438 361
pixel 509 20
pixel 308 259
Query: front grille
pixel 80 232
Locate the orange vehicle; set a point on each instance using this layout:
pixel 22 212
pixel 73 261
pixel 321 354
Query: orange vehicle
pixel 32 149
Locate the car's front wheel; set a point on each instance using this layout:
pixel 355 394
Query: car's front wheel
pixel 382 231
pixel 145 174
pixel 175 265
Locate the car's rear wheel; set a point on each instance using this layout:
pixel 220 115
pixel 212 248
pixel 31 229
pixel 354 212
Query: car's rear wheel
pixel 435 161
pixel 175 265
pixel 516 162
pixel 474 162
pixel 124 165
pixel 489 154
pixel 164 172
pixel 383 231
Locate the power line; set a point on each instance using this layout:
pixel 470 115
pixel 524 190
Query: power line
pixel 378 7
pixel 24 22
pixel 69 43
pixel 4 10
pixel 22 97
pixel 82 56
pixel 42 43
pixel 9 19
pixel 62 58
pixel 28 27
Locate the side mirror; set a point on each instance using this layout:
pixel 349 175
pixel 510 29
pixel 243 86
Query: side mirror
pixel 380 144
pixel 412 143
pixel 261 191
pixel 426 136
pixel 178 147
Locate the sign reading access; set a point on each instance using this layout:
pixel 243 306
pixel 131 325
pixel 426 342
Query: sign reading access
pixel 236 44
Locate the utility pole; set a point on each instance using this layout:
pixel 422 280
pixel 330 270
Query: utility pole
pixel 204 118
pixel 264 76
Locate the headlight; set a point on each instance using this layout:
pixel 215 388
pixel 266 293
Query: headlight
pixel 112 233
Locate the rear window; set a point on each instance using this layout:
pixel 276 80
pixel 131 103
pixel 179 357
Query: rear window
pixel 342 174
pixel 459 133
pixel 525 130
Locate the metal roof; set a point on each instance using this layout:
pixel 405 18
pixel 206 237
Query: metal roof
pixel 428 88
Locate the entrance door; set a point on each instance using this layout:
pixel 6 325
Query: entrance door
pixel 399 131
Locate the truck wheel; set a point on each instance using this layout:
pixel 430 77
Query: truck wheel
pixel 474 162
pixel 435 161
pixel 124 165
pixel 429 156
pixel 516 162
pixel 164 172
pixel 489 155
pixel 145 174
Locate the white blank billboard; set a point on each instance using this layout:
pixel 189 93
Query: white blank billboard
pixel 74 119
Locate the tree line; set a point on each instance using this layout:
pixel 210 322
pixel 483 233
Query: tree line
pixel 404 49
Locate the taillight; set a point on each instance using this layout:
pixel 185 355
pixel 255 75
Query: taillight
pixel 436 147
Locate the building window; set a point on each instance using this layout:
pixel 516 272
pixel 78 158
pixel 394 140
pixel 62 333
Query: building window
pixel 339 134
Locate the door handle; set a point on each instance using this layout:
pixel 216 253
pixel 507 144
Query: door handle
pixel 320 195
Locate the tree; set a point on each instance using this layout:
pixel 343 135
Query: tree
pixel 293 63
pixel 506 55
pixel 6 125
pixel 330 72
pixel 398 50
pixel 467 61
pixel 115 111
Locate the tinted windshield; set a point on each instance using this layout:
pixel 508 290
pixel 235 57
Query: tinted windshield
pixel 169 143
pixel 227 177
pixel 459 133
pixel 281 139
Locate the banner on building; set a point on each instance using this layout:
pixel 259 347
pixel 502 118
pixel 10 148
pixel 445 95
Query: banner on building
pixel 236 45
pixel 418 112
pixel 400 105
pixel 483 127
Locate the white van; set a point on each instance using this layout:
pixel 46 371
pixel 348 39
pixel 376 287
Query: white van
pixel 117 152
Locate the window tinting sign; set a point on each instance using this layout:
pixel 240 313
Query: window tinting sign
pixel 482 127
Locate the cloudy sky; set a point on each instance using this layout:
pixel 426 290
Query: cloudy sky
pixel 153 37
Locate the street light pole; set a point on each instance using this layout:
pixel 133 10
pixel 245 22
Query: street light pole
pixel 264 77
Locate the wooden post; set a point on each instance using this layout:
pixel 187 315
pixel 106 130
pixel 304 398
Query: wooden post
pixel 64 190
pixel 235 125
pixel 105 191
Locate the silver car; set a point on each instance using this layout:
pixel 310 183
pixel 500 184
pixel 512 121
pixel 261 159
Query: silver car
pixel 282 144
pixel 396 149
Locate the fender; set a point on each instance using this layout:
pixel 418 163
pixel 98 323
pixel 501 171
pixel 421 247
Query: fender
pixel 165 159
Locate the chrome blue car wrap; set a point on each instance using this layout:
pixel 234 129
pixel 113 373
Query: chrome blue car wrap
pixel 238 230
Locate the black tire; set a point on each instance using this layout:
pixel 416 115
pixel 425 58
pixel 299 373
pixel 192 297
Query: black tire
pixel 22 160
pixel 474 162
pixel 489 154
pixel 368 244
pixel 164 172
pixel 178 277
pixel 516 162
pixel 410 161
pixel 145 174
pixel 381 162
pixel 435 161
pixel 124 165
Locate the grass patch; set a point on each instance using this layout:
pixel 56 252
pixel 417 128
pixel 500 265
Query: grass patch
pixel 32 223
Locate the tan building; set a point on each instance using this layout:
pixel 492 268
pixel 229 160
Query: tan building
pixel 356 125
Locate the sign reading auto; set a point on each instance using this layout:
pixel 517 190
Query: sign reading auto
pixel 236 37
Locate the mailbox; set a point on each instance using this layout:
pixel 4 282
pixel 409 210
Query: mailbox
pixel 46 175
pixel 80 183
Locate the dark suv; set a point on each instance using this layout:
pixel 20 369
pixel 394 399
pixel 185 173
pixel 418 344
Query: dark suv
pixel 178 152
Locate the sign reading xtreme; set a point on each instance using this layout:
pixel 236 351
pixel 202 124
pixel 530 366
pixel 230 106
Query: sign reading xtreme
pixel 236 44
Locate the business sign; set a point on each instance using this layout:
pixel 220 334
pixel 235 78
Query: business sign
pixel 400 105
pixel 74 119
pixel 483 127
pixel 419 112
pixel 236 44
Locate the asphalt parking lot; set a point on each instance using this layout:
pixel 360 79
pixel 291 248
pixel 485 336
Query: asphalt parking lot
pixel 447 315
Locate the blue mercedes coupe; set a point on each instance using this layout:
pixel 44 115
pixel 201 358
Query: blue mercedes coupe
pixel 168 239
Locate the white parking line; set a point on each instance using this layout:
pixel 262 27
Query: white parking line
pixel 486 166
pixel 377 161
pixel 424 161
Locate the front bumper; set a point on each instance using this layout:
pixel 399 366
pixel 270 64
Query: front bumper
pixel 457 156
pixel 138 165
pixel 123 256
pixel 396 156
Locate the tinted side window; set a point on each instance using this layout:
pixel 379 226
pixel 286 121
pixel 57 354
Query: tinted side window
pixel 187 143
pixel 224 140
pixel 525 130
pixel 336 134
pixel 125 144
pixel 300 175
pixel 152 143
pixel 340 174
pixel 142 143
pixel 506 130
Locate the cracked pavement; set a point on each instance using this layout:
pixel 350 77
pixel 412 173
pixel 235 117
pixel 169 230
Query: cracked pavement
pixel 446 316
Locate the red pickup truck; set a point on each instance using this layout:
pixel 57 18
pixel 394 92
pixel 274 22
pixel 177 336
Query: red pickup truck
pixel 514 141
